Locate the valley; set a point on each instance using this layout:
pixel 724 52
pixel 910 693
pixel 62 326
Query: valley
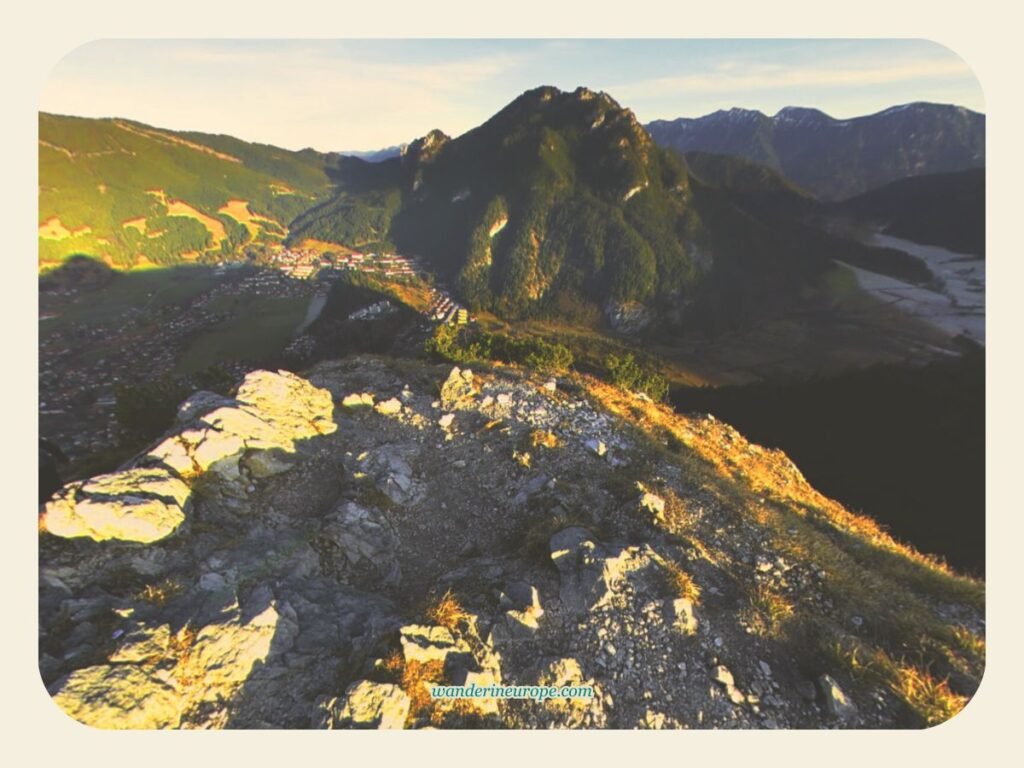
pixel 956 302
pixel 735 361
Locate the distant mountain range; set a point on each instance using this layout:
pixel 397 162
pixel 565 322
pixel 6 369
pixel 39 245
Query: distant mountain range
pixel 560 205
pixel 837 159
pixel 375 155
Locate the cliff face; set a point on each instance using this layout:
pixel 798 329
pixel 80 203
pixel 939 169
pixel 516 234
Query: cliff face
pixel 318 551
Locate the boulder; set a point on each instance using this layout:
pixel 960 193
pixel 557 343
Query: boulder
pixel 139 504
pixel 679 615
pixel 119 696
pixel 357 400
pixel 270 414
pixel 424 644
pixel 389 407
pixel 589 573
pixel 652 504
pixel 369 705
pixel 837 704
pixel 458 388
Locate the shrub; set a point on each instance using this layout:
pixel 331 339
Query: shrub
pixel 470 345
pixel 626 373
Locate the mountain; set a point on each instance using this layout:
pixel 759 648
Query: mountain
pixel 131 194
pixel 318 551
pixel 837 159
pixel 945 209
pixel 527 207
pixel 376 155
pixel 561 205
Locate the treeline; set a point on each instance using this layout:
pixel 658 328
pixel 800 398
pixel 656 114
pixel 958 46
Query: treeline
pixel 468 345
pixel 472 345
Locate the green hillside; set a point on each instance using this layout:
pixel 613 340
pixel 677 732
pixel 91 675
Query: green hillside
pixel 557 200
pixel 134 195
pixel 562 206
pixel 945 209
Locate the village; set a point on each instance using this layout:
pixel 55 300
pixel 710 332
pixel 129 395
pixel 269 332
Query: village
pixel 83 362
pixel 304 263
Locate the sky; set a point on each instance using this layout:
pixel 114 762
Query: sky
pixel 336 95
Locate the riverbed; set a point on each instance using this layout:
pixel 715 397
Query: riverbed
pixel 955 304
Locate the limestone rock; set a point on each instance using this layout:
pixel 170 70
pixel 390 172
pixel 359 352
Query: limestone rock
pixel 119 696
pixel 589 573
pixel 425 643
pixel 837 704
pixel 652 504
pixel 289 402
pixel 570 712
pixel 364 535
pixel 723 677
pixel 357 400
pixel 389 407
pixel 141 505
pixel 521 596
pixel 262 425
pixel 143 643
pixel 679 614
pixel 458 388
pixel 371 705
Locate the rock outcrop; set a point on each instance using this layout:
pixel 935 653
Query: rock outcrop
pixel 275 561
pixel 235 440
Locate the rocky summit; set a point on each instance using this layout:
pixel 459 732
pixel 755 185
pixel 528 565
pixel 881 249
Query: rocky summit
pixel 318 551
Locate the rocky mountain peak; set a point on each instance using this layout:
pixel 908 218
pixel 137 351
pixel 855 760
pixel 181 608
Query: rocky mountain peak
pixel 318 551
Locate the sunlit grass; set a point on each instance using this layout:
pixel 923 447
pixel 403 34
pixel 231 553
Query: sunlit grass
pixel 447 612
pixel 160 592
pixel 766 611
pixel 930 698
pixel 682 583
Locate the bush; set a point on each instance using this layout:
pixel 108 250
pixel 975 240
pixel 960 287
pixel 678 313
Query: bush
pixel 626 373
pixel 467 345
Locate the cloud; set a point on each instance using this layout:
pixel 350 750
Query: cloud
pixel 328 94
pixel 738 76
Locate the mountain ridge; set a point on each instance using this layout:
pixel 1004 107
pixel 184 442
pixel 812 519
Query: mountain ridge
pixel 904 140
pixel 313 552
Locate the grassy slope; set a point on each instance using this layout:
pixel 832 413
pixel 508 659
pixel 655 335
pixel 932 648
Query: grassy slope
pixel 910 643
pixel 95 174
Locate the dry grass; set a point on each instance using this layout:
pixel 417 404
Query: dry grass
pixel 767 611
pixel 728 458
pixel 523 458
pixel 889 584
pixel 416 679
pixel 52 229
pixel 214 226
pixel 541 437
pixel 931 699
pixel 180 649
pixel 969 643
pixel 928 697
pixel 447 612
pixel 160 593
pixel 682 583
